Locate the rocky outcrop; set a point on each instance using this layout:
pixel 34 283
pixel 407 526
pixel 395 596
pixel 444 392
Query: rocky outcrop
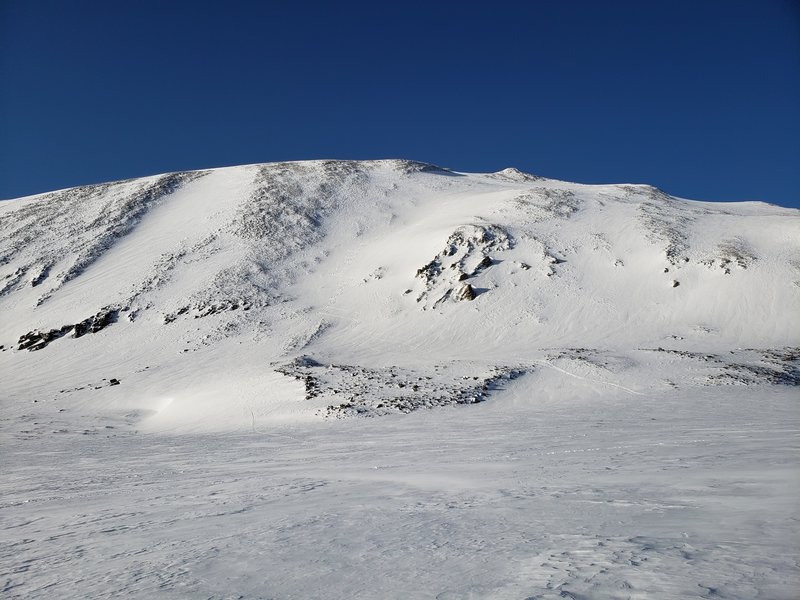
pixel 748 366
pixel 466 254
pixel 368 392
pixel 36 340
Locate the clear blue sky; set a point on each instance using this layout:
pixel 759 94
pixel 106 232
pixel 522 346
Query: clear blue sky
pixel 698 97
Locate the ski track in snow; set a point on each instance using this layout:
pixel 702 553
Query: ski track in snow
pixel 609 383
pixel 383 379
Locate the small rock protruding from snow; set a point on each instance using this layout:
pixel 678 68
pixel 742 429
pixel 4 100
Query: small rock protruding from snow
pixel 675 283
pixel 485 263
pixel 466 292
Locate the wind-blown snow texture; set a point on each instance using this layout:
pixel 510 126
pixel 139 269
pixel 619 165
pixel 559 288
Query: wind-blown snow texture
pixel 386 379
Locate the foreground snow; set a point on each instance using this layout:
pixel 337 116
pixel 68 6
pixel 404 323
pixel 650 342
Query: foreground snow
pixel 387 380
pixel 667 496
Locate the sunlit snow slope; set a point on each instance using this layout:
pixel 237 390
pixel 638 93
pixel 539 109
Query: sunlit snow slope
pixel 238 297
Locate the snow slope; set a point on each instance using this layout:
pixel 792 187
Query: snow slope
pixel 583 391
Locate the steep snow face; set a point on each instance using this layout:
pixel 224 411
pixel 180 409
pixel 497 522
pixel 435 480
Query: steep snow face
pixel 183 282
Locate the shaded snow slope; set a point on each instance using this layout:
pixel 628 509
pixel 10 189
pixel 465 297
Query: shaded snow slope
pixel 224 279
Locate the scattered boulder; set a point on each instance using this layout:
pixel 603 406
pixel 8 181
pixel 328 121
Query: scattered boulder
pixel 486 262
pixel 466 292
pixel 306 361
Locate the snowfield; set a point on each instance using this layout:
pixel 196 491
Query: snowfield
pixel 384 379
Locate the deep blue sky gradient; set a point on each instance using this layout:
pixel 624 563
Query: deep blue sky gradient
pixel 698 97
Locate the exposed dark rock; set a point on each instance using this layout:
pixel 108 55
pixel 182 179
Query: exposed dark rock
pixel 675 283
pixel 485 262
pixel 429 272
pixel 44 272
pixel 466 292
pixel 306 361
pixel 206 309
pixel 466 244
pixel 98 322
pixel 36 340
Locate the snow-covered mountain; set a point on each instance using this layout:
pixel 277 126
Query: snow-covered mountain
pixel 291 300
pixel 381 286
